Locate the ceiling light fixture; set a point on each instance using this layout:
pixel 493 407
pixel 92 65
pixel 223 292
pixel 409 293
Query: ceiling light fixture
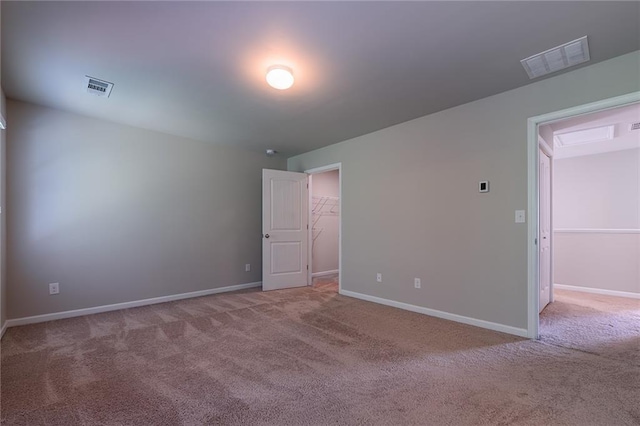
pixel 3 124
pixel 271 152
pixel 280 77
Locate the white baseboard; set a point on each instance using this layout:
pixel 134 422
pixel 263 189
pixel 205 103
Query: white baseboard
pixel 323 273
pixel 598 291
pixel 124 305
pixel 3 329
pixel 522 332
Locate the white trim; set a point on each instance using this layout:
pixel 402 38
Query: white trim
pixel 309 229
pixel 617 293
pixel 533 283
pixel 126 305
pixel 439 314
pixel 552 237
pixel 544 146
pixel 321 169
pixel 532 192
pixel 323 273
pixel 596 231
pixel 548 151
pixel 4 328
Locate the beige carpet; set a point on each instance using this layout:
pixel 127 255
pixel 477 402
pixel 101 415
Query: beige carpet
pixel 326 282
pixel 310 356
pixel 600 325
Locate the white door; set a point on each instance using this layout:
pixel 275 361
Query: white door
pixel 545 229
pixel 284 229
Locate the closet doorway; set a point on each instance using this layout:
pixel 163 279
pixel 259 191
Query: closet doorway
pixel 325 228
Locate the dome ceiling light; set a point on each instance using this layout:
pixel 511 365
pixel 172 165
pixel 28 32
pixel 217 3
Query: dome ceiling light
pixel 280 77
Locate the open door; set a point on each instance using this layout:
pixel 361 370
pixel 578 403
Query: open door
pixel 284 229
pixel 544 205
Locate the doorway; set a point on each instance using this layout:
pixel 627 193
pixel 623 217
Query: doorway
pixel 325 230
pixel 553 138
pixel 324 208
pixel 294 216
pixel 596 232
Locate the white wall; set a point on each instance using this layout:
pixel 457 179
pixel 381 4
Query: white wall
pixel 598 192
pixel 598 261
pixel 325 245
pixel 116 214
pixel 411 208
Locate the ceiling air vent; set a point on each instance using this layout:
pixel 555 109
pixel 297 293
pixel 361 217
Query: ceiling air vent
pixel 567 55
pixel 635 126
pixel 98 87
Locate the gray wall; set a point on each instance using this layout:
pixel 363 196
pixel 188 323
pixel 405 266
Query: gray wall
pixel 411 207
pixel 115 214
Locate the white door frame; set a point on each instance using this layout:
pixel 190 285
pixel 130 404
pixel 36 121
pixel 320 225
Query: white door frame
pixel 533 282
pixel 316 170
pixel 548 151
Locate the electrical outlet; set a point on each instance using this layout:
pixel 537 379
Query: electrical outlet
pixel 417 283
pixel 54 288
pixel 247 267
pixel 379 277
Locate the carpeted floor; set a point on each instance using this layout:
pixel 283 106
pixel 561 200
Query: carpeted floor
pixel 600 325
pixel 310 356
pixel 326 282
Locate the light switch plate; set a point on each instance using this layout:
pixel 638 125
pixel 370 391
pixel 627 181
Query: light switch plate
pixel 520 218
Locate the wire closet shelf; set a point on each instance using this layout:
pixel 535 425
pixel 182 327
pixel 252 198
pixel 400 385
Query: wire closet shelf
pixel 322 206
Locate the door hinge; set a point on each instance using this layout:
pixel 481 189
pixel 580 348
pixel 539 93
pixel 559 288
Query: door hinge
pixel 307 267
pixel 536 241
pixel 307 226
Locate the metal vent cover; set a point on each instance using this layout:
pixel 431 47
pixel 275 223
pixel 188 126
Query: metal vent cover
pixel 635 126
pixel 558 58
pixel 98 87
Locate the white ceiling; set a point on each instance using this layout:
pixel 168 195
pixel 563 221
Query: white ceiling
pixel 196 69
pixel 624 138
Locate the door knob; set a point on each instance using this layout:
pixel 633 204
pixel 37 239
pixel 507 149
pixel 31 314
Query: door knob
pixel 266 235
